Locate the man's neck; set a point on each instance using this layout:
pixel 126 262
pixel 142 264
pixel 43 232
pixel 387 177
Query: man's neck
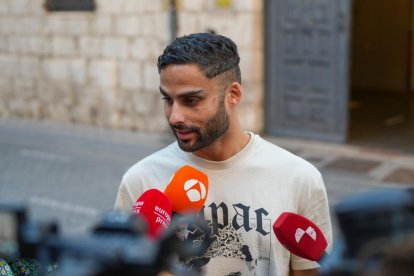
pixel 225 147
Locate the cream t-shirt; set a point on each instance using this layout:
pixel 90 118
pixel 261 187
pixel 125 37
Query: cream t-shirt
pixel 247 193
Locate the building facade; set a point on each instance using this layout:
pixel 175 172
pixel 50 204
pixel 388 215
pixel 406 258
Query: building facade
pixel 99 67
pixel 332 70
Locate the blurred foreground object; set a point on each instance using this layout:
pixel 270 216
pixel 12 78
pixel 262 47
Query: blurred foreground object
pixel 118 245
pixel 374 226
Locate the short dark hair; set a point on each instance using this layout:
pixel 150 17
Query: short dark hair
pixel 214 54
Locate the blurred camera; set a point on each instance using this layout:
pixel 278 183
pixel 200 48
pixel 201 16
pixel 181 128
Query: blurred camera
pixel 118 245
pixel 377 235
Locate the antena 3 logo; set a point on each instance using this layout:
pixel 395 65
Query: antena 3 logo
pixel 300 232
pixel 195 190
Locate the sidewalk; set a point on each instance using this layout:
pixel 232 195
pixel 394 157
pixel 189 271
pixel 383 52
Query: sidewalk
pixel 365 167
pixel 346 168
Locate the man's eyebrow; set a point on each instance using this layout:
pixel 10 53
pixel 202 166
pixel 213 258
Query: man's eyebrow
pixel 163 92
pixel 184 94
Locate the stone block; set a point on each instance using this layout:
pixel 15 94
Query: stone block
pixel 8 25
pixel 128 25
pixel 36 7
pixel 248 5
pixel 253 93
pixel 102 25
pixel 6 88
pixel 19 45
pixel 5 7
pixel 151 77
pixel 29 68
pixel 78 25
pixel 146 49
pixel 106 110
pixel 56 69
pixel 158 123
pixel 110 6
pixel 24 88
pixel 156 25
pixel 59 113
pixel 219 22
pixel 133 7
pixel 64 46
pixel 192 5
pixel 131 75
pixel 251 65
pixel 35 109
pixel 40 45
pixel 19 7
pixel 4 44
pixel 54 24
pixel 142 102
pixel 251 118
pixel 9 66
pixel 16 106
pixel 77 71
pixel 90 47
pixel 103 73
pixel 189 23
pixel 247 30
pixel 28 25
pixel 153 6
pixel 115 47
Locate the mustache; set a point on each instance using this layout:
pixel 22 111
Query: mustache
pixel 182 127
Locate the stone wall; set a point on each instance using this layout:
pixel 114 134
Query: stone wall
pixel 100 67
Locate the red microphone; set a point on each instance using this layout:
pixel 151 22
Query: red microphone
pixel 300 236
pixel 155 207
pixel 187 190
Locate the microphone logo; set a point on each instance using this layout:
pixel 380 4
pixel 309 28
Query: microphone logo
pixel 300 232
pixel 195 190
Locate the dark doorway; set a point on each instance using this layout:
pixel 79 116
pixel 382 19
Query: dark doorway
pixel 381 108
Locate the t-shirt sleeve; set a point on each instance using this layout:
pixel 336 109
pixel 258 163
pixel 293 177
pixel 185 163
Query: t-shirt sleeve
pixel 124 199
pixel 313 204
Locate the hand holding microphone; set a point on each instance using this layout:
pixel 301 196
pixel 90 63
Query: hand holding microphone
pixel 300 236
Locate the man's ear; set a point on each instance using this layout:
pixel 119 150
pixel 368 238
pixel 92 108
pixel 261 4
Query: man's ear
pixel 235 93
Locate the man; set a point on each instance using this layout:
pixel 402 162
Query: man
pixel 251 181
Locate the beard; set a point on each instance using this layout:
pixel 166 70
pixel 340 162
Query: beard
pixel 216 127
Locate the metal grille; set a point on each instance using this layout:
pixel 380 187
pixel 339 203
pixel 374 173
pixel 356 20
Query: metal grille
pixel 70 5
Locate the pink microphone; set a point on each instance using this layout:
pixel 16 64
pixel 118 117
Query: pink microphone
pixel 300 236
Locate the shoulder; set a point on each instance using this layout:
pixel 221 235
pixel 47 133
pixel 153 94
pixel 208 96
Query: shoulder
pixel 154 163
pixel 150 172
pixel 278 157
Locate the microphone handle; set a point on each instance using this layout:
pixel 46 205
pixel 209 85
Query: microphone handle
pixel 324 256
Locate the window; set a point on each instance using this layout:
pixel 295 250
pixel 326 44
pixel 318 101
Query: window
pixel 70 5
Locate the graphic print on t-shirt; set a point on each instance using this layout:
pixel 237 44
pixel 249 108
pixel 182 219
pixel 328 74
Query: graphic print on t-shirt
pixel 241 234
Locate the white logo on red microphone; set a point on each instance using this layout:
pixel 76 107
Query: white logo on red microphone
pixel 195 190
pixel 136 209
pixel 300 232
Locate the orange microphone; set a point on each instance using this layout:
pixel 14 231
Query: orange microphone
pixel 187 190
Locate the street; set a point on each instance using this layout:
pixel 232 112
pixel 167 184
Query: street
pixel 71 173
pixel 67 173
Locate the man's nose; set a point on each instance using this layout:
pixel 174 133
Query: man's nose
pixel 176 115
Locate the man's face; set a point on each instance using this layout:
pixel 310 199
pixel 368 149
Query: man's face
pixel 194 106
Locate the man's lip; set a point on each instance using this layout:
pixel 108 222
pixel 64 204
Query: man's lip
pixel 184 134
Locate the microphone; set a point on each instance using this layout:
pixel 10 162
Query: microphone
pixel 300 236
pixel 187 190
pixel 155 207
